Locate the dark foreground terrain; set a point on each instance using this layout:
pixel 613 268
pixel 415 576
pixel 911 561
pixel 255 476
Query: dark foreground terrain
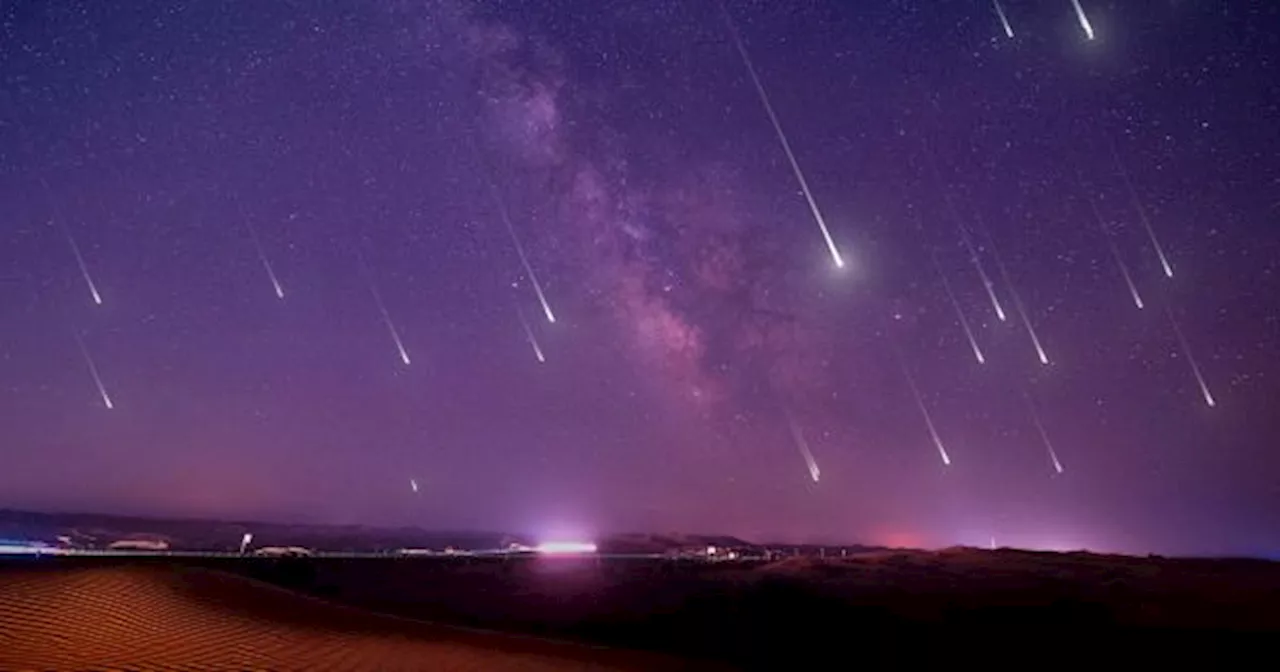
pixel 891 608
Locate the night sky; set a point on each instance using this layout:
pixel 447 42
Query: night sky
pixel 362 153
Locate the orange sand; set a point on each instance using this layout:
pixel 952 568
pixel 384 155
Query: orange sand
pixel 157 618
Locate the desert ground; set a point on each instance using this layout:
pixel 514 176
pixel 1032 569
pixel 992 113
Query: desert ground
pixel 877 609
pixel 151 617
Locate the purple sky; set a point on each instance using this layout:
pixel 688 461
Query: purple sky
pixel 696 303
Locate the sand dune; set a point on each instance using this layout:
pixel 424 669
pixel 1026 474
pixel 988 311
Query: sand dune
pixel 158 618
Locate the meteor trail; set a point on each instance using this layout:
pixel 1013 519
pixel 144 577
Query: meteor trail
pixel 75 248
pixel 803 446
pixel 1004 20
pixel 1017 298
pixel 1142 213
pixel 382 308
pixel 964 236
pixel 1115 251
pixel 528 332
pixel 524 259
pixel 924 410
pixel 782 138
pixel 413 483
pixel 1186 351
pixel 262 256
pixel 1044 436
pixel 982 271
pixel 964 322
pixel 1084 20
pixel 93 370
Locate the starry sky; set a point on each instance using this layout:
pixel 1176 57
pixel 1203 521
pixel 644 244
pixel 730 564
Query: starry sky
pixel 362 156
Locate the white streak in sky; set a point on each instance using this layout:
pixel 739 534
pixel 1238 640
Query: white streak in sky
pixel 964 322
pixel 413 483
pixel 782 138
pixel 524 259
pixel 1115 252
pixel 1142 214
pixel 964 236
pixel 93 370
pixel 382 308
pixel 982 271
pixel 528 332
pixel 1044 436
pixel 1017 298
pixel 1084 20
pixel 262 256
pixel 1186 351
pixel 924 410
pixel 1004 20
pixel 75 248
pixel 803 446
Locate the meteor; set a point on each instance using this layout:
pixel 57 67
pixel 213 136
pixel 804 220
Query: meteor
pixel 803 446
pixel 524 259
pixel 964 236
pixel 1142 213
pixel 1115 251
pixel 262 256
pixel 1044 436
pixel 1004 20
pixel 982 271
pixel 93 370
pixel 1084 20
pixel 528 332
pixel 382 308
pixel 1017 298
pixel 1186 351
pixel 924 410
pixel 75 248
pixel 782 138
pixel 964 322
pixel 413 483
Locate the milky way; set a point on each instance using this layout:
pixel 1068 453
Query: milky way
pixel 407 170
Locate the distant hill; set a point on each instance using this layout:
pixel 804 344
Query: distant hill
pixel 89 530
pixel 97 531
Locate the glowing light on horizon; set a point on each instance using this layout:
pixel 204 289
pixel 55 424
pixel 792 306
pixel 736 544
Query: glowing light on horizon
pixel 565 547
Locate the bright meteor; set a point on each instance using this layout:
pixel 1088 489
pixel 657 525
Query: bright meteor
pixel 524 259
pixel 1044 436
pixel 1186 351
pixel 1142 213
pixel 1084 19
pixel 924 411
pixel 1115 251
pixel 1004 20
pixel 1017 298
pixel 803 446
pixel 93 370
pixel 75 248
pixel 964 236
pixel 262 256
pixel 964 321
pixel 782 138
pixel 382 308
pixel 528 332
